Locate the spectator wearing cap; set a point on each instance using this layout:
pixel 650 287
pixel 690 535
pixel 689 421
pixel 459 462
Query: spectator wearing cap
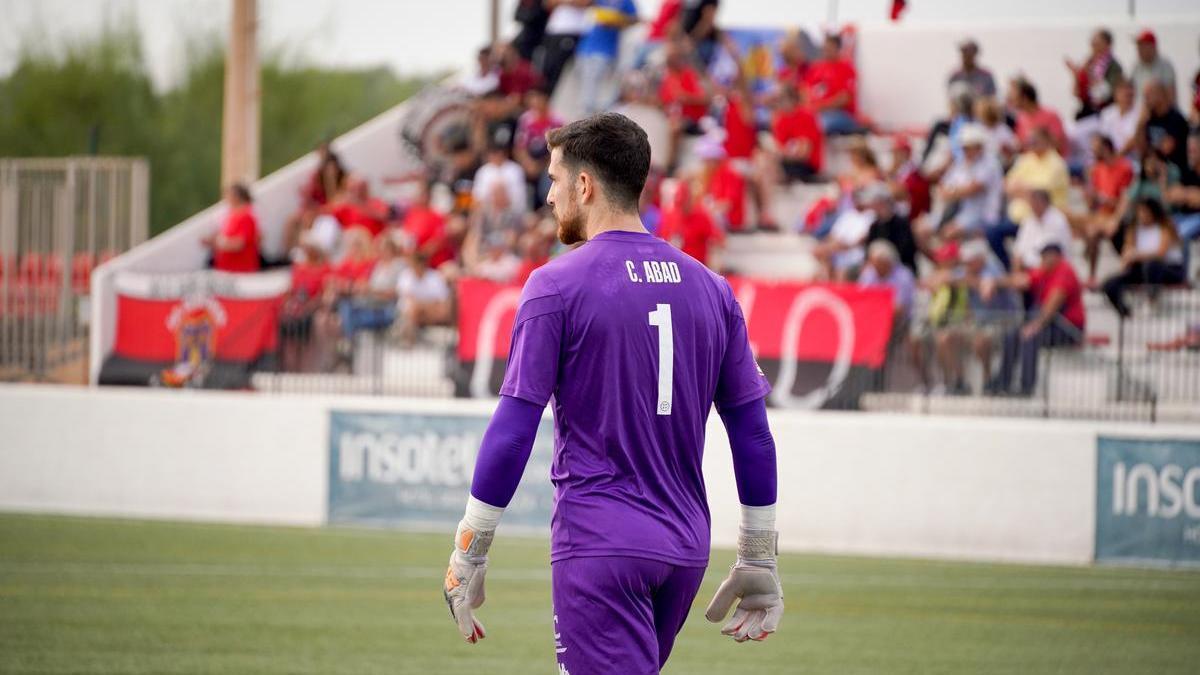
pixel 1039 168
pixel 949 318
pixel 1119 121
pixel 833 89
pixel 883 269
pixel 1151 66
pixel 1031 115
pixel 1044 225
pixel 529 145
pixel 596 55
pixel 1152 256
pixel 1163 129
pixel 972 190
pixel 978 80
pixel 235 245
pixel 908 183
pixel 1057 319
pixel 500 169
pixel 892 226
pixel 568 21
pixel 1097 77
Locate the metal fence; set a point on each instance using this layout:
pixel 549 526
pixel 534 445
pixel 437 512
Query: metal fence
pixel 60 218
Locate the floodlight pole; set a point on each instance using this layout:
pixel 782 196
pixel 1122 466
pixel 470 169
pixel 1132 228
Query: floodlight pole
pixel 240 123
pixel 494 27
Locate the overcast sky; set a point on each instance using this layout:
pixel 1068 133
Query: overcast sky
pixel 416 36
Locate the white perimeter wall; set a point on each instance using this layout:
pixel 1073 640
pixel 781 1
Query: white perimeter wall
pixel 980 489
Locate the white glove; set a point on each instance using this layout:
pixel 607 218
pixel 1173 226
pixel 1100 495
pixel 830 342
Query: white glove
pixel 464 580
pixel 754 580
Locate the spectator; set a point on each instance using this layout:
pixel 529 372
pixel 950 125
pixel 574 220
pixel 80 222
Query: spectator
pixel 682 93
pixel 310 270
pixel 1163 129
pixel 1152 256
pixel 424 298
pixel 971 192
pixel 1108 178
pixel 961 113
pixel 724 188
pixel 1056 319
pixel 424 229
pixel 1184 199
pixel 1097 77
pixel 568 20
pixel 497 263
pixel 699 24
pixel 883 269
pixel 1001 141
pixel 486 77
pixel 597 51
pixel 532 15
pixel 841 253
pixel 688 225
pixel 794 66
pixel 235 245
pixel 664 26
pixel 991 305
pixel 889 225
pixel 1154 181
pixel 529 146
pixel 517 75
pixel 355 266
pixel 908 184
pixel 1119 121
pixel 493 221
pixel 1194 115
pixel 979 80
pixel 1152 67
pixel 833 85
pixel 1039 168
pixel 324 182
pixel 1031 116
pixel 355 207
pixel 639 104
pixel 799 143
pixel 370 303
pixel 1045 225
pixel 949 317
pixel 499 169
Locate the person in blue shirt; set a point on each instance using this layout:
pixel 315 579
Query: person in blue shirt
pixel 599 47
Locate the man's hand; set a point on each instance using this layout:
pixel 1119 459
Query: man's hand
pixel 754 582
pixel 464 580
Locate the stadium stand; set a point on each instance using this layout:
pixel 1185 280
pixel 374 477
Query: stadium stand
pixel 767 167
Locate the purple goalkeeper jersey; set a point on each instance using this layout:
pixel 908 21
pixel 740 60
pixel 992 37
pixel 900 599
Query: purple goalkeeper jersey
pixel 634 341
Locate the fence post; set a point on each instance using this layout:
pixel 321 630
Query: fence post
pixel 1120 358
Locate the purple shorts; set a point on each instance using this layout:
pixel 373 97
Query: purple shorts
pixel 617 614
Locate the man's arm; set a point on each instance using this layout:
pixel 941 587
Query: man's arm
pixel 754 579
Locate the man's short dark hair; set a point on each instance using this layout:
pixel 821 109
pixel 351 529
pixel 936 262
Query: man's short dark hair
pixel 1106 35
pixel 1027 90
pixel 242 192
pixel 611 145
pixel 1105 141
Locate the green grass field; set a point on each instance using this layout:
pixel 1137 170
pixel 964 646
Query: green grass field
pixel 105 596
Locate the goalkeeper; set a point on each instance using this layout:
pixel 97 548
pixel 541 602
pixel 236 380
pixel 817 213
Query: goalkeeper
pixel 634 342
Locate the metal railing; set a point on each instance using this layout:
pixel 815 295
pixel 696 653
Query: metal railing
pixel 59 219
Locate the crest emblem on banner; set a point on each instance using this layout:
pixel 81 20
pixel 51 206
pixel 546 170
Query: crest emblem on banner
pixel 194 322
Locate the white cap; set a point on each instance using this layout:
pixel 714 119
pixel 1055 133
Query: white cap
pixel 972 134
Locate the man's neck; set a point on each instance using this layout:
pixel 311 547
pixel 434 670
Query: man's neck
pixel 615 222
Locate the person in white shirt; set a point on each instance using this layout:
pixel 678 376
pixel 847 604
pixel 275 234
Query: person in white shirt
pixel 1044 225
pixel 1119 121
pixel 424 298
pixel 500 169
pixel 973 188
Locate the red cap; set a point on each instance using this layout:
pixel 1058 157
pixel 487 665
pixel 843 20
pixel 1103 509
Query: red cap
pixel 1146 36
pixel 946 253
pixel 901 141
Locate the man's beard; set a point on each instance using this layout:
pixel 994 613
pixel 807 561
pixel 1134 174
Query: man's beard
pixel 570 226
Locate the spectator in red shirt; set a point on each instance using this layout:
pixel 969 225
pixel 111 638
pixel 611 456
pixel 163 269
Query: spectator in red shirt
pixel 793 72
pixel 235 245
pixel 682 91
pixel 309 274
pixel 1110 175
pixel 724 187
pixel 517 76
pixel 356 264
pixel 909 185
pixel 687 224
pixel 355 207
pixel 797 153
pixel 1056 320
pixel 1023 99
pixel 529 145
pixel 425 229
pixel 833 90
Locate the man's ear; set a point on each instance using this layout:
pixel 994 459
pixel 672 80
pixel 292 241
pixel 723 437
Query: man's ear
pixel 586 187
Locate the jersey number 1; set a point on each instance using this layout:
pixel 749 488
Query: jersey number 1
pixel 661 317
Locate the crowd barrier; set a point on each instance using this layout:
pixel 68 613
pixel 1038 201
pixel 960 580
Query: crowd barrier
pixel 862 484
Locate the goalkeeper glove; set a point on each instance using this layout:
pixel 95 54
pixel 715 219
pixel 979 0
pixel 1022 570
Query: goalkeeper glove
pixel 754 582
pixel 463 587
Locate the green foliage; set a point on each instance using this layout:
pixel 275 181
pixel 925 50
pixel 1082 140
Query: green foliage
pixel 96 96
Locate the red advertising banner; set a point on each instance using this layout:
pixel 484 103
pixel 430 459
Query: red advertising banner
pixel 807 337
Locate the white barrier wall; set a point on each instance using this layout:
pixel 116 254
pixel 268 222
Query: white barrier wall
pixel 978 489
